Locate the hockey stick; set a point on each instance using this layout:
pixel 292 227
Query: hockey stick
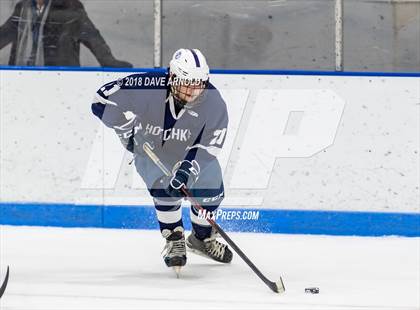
pixel 3 286
pixel 278 286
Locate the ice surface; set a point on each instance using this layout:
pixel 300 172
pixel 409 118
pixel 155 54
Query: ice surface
pixel 57 268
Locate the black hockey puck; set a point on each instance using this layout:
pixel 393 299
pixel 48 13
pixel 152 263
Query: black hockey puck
pixel 312 290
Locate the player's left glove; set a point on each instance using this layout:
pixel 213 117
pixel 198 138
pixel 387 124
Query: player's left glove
pixel 186 175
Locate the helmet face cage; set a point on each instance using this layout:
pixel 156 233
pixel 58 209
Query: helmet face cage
pixel 187 92
pixel 189 75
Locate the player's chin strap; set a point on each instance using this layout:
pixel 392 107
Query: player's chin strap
pixel 278 286
pixel 180 104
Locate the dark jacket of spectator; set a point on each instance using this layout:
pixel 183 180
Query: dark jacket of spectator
pixel 52 36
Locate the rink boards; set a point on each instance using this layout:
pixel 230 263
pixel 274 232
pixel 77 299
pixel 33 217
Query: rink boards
pixel 269 221
pixel 313 152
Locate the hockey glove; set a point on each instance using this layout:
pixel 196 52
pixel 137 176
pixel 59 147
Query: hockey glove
pixel 186 175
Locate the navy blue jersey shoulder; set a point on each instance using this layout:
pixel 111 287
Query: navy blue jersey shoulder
pixel 214 93
pixel 145 80
pixel 216 101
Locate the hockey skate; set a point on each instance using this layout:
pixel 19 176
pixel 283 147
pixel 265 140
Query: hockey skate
pixel 175 253
pixel 210 248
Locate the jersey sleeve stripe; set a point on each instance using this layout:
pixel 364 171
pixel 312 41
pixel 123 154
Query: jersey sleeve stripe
pixel 99 98
pixel 212 150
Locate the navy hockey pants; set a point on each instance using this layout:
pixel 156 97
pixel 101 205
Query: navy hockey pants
pixel 208 191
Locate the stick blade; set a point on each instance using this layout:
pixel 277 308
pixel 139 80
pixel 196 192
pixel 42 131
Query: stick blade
pixel 277 287
pixel 280 286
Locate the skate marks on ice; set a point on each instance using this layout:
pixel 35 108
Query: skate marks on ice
pixel 129 302
pixel 115 269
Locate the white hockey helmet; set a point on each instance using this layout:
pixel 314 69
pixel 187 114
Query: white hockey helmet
pixel 189 73
pixel 189 65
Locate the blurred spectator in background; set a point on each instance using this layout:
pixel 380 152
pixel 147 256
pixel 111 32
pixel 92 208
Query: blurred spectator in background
pixel 49 33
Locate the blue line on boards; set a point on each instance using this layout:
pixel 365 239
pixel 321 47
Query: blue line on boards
pixel 344 223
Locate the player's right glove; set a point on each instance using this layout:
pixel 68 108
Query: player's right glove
pixel 186 175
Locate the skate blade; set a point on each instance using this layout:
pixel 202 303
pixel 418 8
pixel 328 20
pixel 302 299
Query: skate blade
pixel 177 270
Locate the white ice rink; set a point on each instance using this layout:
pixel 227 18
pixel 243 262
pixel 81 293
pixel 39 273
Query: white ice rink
pixel 55 268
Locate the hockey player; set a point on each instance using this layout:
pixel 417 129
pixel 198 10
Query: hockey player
pixel 183 116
